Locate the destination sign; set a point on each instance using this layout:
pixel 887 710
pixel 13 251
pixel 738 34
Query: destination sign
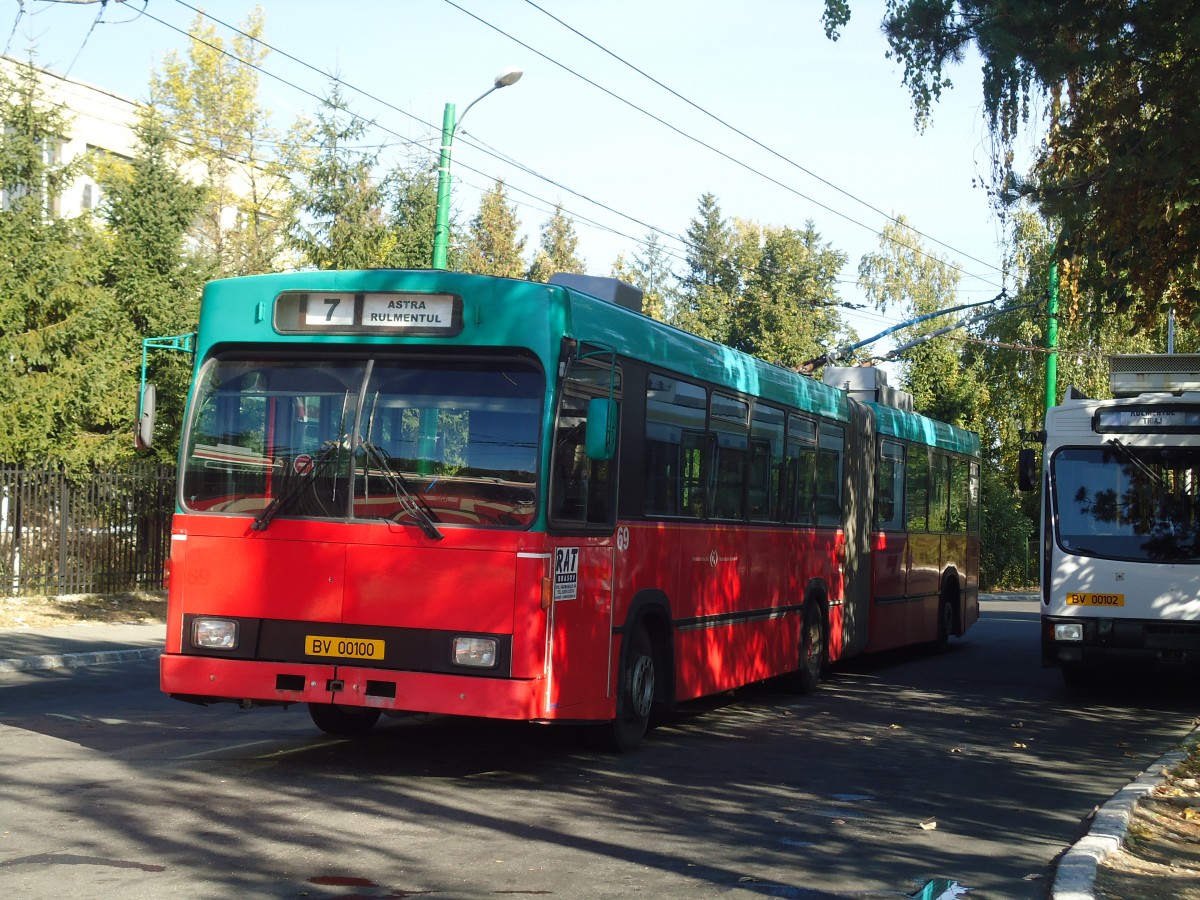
pixel 1129 419
pixel 344 312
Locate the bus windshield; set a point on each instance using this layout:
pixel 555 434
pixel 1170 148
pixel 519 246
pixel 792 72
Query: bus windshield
pixel 414 440
pixel 1128 503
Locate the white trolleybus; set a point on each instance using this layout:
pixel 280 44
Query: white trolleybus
pixel 1121 522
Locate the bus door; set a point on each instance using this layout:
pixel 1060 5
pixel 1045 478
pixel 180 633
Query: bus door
pixel 582 498
pixel 928 509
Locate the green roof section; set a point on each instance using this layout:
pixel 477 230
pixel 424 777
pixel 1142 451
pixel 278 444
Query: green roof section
pixel 898 423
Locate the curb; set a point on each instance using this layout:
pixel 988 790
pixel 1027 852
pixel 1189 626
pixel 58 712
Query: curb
pixel 1076 874
pixel 75 660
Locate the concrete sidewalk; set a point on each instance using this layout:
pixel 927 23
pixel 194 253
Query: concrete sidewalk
pixel 85 644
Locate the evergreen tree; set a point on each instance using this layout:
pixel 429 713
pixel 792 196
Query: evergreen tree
pixel 558 247
pixel 493 247
pixel 64 382
pixel 709 287
pixel 789 311
pixel 339 210
pixel 148 207
pixel 412 216
pixel 650 270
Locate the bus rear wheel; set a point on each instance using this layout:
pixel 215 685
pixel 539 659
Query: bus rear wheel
pixel 812 651
pixel 635 698
pixel 342 720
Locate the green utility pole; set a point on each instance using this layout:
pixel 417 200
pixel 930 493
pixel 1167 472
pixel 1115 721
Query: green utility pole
pixel 441 227
pixel 1052 336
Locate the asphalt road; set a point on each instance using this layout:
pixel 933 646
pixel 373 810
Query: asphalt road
pixel 974 765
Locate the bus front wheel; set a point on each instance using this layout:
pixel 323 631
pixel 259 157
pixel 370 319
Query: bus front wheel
pixel 342 720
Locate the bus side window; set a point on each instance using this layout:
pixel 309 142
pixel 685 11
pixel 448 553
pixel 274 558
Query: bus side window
pixel 728 419
pixel 802 469
pixel 889 497
pixel 676 468
pixel 939 493
pixel 960 496
pixel 916 490
pixel 829 475
pixel 768 469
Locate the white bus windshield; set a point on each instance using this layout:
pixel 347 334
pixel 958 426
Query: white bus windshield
pixel 429 442
pixel 1128 503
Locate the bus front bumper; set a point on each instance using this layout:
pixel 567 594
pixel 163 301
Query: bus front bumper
pixel 1096 642
pixel 205 679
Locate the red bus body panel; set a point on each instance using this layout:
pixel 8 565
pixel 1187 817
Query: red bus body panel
pixel 734 597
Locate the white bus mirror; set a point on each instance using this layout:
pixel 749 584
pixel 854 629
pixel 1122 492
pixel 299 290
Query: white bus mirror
pixel 143 435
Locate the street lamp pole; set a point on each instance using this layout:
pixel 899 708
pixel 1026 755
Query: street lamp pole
pixel 441 227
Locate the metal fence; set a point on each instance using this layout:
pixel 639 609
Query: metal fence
pixel 95 533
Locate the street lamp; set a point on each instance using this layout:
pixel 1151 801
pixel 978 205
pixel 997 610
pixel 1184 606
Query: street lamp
pixel 441 227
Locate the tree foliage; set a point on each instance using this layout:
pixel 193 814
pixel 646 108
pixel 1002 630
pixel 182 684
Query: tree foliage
pixel 152 273
pixel 1116 173
pixel 789 307
pixel 339 205
pixel 494 246
pixel 63 380
pixel 210 102
pixel 558 249
pixel 650 270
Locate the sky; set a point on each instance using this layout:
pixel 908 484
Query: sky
pixel 827 128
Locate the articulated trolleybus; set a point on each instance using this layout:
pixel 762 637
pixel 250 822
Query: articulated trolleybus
pixel 1121 521
pixel 423 491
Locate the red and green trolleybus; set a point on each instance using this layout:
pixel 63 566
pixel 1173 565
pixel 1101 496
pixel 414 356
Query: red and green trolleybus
pixel 424 491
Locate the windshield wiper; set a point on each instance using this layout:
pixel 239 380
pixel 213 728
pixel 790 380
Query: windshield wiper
pixel 410 501
pixel 325 458
pixel 1141 466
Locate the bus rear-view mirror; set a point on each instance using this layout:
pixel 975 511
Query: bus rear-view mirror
pixel 1027 469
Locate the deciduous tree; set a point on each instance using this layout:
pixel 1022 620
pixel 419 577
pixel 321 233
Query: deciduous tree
pixel 210 102
pixel 1116 175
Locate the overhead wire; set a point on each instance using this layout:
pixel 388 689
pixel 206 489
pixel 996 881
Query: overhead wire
pixel 368 95
pixel 483 147
pixel 729 157
pixel 752 139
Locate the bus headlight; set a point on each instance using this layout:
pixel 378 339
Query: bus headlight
pixel 477 652
pixel 1070 631
pixel 215 634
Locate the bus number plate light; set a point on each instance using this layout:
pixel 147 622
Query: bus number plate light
pixel 477 652
pixel 215 634
pixel 1069 631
